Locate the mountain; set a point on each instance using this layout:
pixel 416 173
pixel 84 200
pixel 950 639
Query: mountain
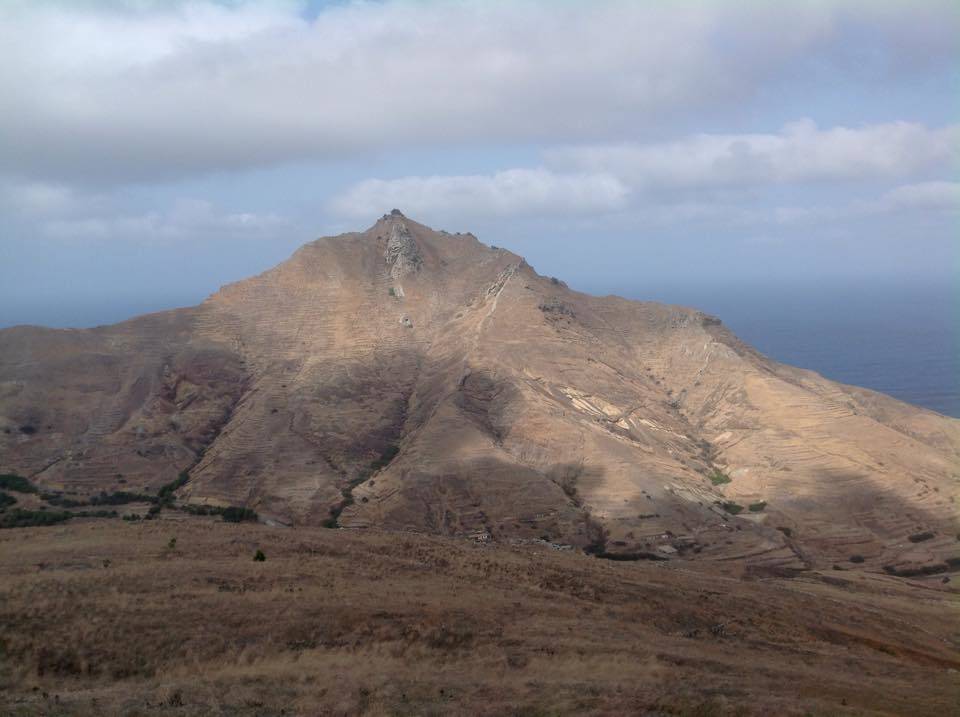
pixel 412 379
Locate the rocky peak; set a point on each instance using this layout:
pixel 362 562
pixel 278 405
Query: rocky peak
pixel 402 253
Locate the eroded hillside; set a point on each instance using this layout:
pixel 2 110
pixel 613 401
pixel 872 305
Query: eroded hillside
pixel 405 378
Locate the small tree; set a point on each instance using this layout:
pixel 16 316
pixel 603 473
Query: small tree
pixel 259 557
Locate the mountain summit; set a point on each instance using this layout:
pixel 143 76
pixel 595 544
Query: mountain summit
pixel 406 378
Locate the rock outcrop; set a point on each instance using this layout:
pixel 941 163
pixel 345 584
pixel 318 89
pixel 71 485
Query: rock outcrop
pixel 402 253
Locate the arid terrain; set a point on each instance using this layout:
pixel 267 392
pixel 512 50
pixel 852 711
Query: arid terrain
pixel 174 617
pixel 473 491
pixel 406 378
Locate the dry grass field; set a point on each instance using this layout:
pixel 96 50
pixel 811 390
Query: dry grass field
pixel 175 617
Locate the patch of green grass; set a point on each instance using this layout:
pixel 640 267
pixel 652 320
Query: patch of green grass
pixel 11 481
pixel 757 507
pixel 718 477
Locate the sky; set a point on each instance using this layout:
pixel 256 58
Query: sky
pixel 151 151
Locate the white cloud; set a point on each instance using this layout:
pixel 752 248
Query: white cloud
pixel 152 90
pixel 930 196
pixel 666 180
pixel 187 219
pixel 509 193
pixel 801 152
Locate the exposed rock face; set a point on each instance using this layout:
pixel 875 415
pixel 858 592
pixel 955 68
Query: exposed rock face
pixel 402 253
pixel 481 399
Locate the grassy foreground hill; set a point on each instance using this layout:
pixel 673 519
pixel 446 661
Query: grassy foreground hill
pixel 175 617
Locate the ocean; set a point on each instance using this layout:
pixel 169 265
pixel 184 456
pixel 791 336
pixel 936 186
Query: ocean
pixel 899 338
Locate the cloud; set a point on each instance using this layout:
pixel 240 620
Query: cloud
pixel 37 199
pixel 186 219
pixel 509 193
pixel 666 180
pixel 929 196
pixel 800 152
pixel 151 90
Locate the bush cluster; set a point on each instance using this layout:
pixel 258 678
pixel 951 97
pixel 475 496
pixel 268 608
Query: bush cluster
pixel 234 514
pixel 718 477
pixel 231 514
pixel 20 518
pixel 11 481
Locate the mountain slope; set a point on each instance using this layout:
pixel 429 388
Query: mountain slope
pixel 412 379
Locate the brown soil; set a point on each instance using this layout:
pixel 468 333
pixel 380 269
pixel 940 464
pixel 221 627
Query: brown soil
pixel 105 617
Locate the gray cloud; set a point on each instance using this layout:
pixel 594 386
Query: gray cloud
pixel 666 179
pixel 801 152
pixel 509 193
pixel 185 220
pixel 149 90
pixel 925 196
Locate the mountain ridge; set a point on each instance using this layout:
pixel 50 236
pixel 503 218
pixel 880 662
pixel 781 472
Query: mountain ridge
pixel 405 378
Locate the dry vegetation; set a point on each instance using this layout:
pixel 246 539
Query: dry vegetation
pixel 105 617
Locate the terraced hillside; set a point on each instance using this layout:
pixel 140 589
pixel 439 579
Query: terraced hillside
pixel 405 378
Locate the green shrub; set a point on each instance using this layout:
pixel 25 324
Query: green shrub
pixel 95 514
pixel 6 500
pixel 235 514
pixel 11 481
pixel 856 558
pixel 121 497
pixel 631 557
pixel 259 557
pixel 757 507
pixel 731 507
pixel 58 500
pixel 20 518
pixel 165 494
pixel 392 291
pixel 201 509
pixel 718 477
